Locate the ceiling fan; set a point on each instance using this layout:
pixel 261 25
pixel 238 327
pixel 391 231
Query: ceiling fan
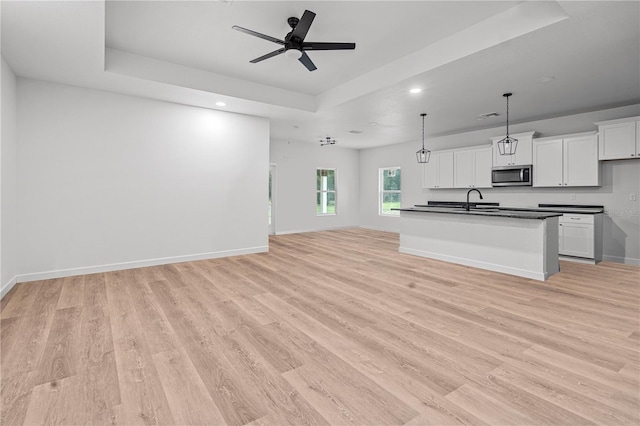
pixel 294 44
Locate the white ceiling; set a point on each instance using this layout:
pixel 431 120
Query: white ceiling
pixel 463 55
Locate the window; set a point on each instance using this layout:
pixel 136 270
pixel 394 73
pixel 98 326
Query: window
pixel 390 193
pixel 326 201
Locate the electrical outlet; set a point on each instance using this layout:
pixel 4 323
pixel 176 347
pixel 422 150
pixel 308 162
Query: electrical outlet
pixel 572 196
pixel 632 197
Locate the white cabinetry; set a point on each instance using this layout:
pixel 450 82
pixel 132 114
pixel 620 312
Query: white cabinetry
pixel 580 235
pixel 547 162
pixel 472 167
pixel 523 155
pixel 619 139
pixel 570 160
pixel 438 172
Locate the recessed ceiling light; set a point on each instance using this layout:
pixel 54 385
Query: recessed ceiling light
pixel 415 90
pixel 546 79
pixel 221 104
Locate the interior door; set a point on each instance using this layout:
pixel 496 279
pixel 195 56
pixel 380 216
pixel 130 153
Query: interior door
pixel 272 199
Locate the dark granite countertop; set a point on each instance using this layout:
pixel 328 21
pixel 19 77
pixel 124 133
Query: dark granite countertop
pixel 483 211
pixel 552 208
pixel 575 210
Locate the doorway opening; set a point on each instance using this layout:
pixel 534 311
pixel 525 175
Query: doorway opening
pixel 272 199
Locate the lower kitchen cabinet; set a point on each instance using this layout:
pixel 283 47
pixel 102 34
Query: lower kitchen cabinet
pixel 580 237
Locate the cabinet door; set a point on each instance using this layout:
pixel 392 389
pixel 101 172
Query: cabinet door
pixel 482 168
pixel 580 161
pixel 501 160
pixel 561 238
pixel 523 155
pixel 637 139
pixel 445 170
pixel 577 240
pixel 547 163
pixel 430 172
pixel 618 141
pixel 463 162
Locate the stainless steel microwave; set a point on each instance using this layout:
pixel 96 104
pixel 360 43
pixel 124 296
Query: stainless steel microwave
pixel 511 176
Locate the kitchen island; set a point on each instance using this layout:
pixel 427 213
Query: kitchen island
pixel 522 243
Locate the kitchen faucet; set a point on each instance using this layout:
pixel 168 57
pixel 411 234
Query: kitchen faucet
pixel 469 192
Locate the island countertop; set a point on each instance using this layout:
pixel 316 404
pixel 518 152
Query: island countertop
pixel 484 211
pixel 553 208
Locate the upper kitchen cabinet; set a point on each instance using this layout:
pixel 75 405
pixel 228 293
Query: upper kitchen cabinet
pixel 524 150
pixel 570 160
pixel 438 172
pixel 619 139
pixel 472 167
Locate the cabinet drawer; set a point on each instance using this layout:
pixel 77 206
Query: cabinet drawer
pixel 577 218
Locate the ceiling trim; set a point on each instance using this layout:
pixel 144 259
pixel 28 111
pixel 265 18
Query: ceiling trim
pixel 514 22
pixel 132 65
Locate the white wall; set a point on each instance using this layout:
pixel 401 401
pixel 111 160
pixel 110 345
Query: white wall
pixel 619 179
pixel 296 165
pixel 107 181
pixel 8 177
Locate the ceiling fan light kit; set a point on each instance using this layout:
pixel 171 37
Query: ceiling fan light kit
pixel 293 54
pixel 293 44
pixel 423 155
pixel 508 145
pixel 327 141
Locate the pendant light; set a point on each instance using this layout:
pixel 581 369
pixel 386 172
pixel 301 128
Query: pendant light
pixel 423 155
pixel 508 145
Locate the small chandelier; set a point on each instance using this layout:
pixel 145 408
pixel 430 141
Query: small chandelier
pixel 508 145
pixel 423 155
pixel 327 141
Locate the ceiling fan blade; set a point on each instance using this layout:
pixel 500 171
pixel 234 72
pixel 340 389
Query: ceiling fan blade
pixel 307 62
pixel 259 35
pixel 268 55
pixel 328 46
pixel 301 30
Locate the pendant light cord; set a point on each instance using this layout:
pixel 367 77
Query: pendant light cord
pixel 507 116
pixel 423 115
pixel 506 95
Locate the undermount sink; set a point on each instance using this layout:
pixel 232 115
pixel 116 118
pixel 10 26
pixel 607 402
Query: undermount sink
pixel 476 209
pixel 485 210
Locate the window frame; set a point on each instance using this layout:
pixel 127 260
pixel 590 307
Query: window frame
pixel 382 191
pixel 328 191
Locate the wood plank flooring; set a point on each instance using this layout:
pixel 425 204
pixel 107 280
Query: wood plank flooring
pixel 331 327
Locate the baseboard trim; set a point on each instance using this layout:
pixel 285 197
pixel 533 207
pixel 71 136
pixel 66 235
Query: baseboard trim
pixel 379 228
pixel 478 264
pixel 304 231
pixel 620 259
pixel 8 286
pixel 137 264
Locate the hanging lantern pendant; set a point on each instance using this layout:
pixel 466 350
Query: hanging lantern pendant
pixel 423 155
pixel 508 145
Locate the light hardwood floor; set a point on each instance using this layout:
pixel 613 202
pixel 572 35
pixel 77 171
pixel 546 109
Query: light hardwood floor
pixel 327 328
